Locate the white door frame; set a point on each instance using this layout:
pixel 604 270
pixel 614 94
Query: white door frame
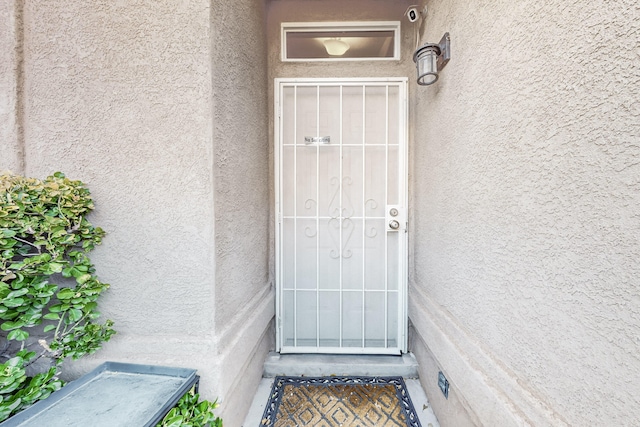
pixel 279 83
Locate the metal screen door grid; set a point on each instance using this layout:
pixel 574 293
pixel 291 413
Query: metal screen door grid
pixel 341 215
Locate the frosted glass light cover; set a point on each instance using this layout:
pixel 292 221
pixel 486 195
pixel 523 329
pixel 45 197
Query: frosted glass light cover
pixel 336 47
pixel 426 59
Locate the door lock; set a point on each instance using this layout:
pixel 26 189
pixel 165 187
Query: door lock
pixel 396 217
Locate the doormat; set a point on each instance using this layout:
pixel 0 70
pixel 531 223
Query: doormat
pixel 339 402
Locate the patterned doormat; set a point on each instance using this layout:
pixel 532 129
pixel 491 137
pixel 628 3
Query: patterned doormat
pixel 339 402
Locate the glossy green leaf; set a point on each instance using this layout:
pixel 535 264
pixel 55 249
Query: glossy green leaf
pixel 9 326
pixel 83 278
pixel 18 335
pixel 75 315
pixel 66 293
pixel 13 302
pixel 18 293
pixel 51 316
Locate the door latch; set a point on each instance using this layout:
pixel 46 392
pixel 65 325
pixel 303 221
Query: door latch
pixel 396 218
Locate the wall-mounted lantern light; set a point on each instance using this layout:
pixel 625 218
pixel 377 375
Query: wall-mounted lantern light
pixel 430 59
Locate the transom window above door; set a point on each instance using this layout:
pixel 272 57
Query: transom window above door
pixel 341 41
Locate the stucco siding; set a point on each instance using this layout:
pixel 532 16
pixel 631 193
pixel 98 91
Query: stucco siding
pixel 161 109
pixel 241 141
pixel 11 148
pixel 117 95
pixel 525 220
pixel 244 292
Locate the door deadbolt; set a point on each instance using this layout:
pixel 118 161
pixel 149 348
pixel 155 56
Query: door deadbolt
pixel 393 212
pixel 394 225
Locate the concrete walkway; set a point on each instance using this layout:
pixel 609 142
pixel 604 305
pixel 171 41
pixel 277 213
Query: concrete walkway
pixel 328 365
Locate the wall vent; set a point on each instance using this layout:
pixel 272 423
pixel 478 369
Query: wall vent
pixel 443 384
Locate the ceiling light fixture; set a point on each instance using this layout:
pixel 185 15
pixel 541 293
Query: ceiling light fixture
pixel 336 47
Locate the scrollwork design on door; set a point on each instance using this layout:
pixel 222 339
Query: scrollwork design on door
pixel 348 227
pixel 371 204
pixel 334 203
pixel 340 218
pixel 334 232
pixel 347 205
pixel 309 203
pixel 371 232
pixel 347 233
pixel 310 232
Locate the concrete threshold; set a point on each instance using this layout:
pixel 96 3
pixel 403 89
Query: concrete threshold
pixel 322 365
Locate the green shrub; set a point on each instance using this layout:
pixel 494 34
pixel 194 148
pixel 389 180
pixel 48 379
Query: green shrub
pixel 45 237
pixel 189 412
pixel 18 392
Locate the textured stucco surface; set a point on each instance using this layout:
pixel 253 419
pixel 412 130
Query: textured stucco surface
pixel 526 228
pixel 11 153
pixel 119 96
pixel 241 151
pixel 452 410
pixel 160 108
pixel 244 295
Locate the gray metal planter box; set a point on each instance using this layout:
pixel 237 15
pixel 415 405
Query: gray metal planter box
pixel 112 395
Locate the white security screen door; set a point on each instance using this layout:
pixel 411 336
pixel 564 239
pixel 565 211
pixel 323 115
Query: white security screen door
pixel 341 204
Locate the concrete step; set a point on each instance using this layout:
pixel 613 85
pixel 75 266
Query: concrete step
pixel 322 365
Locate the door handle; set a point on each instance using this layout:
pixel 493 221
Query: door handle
pixel 396 218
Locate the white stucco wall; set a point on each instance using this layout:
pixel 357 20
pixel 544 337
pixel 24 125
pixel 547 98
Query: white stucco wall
pixel 239 62
pixel 11 155
pixel 119 96
pixel 160 108
pixel 526 232
pixel 244 289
